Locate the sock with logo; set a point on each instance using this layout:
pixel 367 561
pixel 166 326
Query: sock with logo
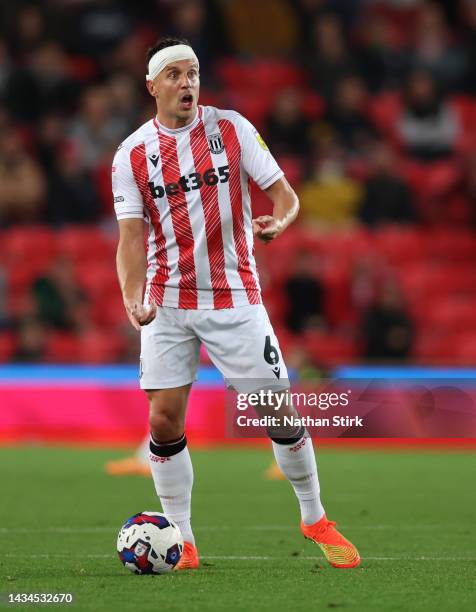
pixel 295 457
pixel 172 472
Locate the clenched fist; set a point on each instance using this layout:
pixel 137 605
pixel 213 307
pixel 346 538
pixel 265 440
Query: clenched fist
pixel 266 228
pixel 139 314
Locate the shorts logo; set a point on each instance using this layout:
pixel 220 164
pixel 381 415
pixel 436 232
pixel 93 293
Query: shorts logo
pixel 215 143
pixel 271 356
pixel 118 199
pixel 141 370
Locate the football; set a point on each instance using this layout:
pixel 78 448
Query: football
pixel 149 543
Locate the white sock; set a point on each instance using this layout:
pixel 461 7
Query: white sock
pixel 172 472
pixel 298 463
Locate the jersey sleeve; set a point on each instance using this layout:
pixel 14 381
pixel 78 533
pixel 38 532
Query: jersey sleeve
pixel 128 202
pixel 257 160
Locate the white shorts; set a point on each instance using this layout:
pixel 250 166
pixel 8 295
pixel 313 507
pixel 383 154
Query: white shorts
pixel 240 342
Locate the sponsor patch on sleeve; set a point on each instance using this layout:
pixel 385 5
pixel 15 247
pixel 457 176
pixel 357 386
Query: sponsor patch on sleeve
pixel 261 142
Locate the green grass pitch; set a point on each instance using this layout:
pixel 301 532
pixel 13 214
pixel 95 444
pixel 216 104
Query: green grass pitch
pixel 410 514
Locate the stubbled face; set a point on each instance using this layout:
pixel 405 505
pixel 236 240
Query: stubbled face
pixel 175 90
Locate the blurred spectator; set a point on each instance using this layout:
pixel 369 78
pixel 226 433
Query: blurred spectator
pixel 97 130
pixel 100 26
pixel 267 28
pixel 42 84
pixel 469 186
pixel 28 30
pixel 4 318
pixel 60 303
pixel 468 13
pixel 329 60
pixel 203 29
pixel 387 197
pixel 125 101
pixel 347 114
pixel 428 127
pixel 330 196
pixel 22 184
pixel 50 139
pixel 72 194
pixel 307 11
pixel 31 341
pixel 304 294
pixel 387 328
pixel 287 129
pixel 434 49
pixel 129 57
pixel 382 60
pixel 5 69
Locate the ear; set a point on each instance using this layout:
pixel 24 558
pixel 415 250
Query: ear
pixel 151 88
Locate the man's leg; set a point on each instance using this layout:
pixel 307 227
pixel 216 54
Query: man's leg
pixel 296 459
pixel 295 456
pixel 170 462
pixel 242 344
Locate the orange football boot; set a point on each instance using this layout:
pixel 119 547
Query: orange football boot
pixel 130 466
pixel 189 558
pixel 337 550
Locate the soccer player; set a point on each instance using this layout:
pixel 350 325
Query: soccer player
pixel 185 172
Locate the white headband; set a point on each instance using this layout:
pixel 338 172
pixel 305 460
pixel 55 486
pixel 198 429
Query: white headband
pixel 166 56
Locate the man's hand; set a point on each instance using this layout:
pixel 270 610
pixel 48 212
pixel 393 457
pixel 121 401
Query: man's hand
pixel 139 314
pixel 266 228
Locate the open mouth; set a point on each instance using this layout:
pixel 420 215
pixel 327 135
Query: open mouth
pixel 187 100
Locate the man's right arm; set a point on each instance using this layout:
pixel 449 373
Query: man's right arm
pixel 131 265
pixel 131 259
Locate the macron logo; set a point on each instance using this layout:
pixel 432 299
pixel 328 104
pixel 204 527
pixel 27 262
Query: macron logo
pixel 156 459
pixel 299 445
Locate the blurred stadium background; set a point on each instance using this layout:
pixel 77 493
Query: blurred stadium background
pixel 369 107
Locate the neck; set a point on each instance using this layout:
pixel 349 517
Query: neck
pixel 174 123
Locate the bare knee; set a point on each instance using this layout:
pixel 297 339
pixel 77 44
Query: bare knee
pixel 166 415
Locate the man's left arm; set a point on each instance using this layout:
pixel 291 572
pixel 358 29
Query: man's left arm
pixel 285 209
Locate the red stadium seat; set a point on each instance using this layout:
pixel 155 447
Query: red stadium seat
pixel 455 246
pixel 401 244
pixel 451 314
pixel 97 346
pixel 293 168
pixel 312 105
pixel 62 347
pixel 107 310
pixel 384 110
pixel 33 246
pixel 86 244
pixel 254 105
pixel 327 349
pixel 264 75
pixel 7 346
pixel 97 279
pixel 465 108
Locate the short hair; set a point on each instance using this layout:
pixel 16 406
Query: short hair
pixel 163 43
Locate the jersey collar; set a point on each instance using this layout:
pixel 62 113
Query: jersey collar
pixel 173 132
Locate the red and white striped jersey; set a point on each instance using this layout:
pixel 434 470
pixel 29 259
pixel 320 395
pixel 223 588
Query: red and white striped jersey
pixel 191 186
